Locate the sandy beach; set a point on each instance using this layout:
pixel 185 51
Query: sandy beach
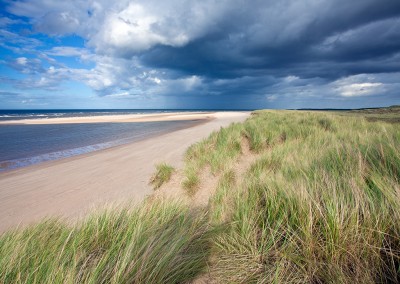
pixel 116 118
pixel 73 186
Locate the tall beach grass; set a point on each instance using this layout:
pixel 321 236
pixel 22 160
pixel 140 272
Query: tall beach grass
pixel 319 204
pixel 158 242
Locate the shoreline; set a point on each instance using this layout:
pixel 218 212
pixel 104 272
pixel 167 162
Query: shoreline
pixel 9 165
pixel 73 186
pixel 120 118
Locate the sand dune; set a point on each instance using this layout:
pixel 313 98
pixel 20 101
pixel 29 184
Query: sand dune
pixel 73 186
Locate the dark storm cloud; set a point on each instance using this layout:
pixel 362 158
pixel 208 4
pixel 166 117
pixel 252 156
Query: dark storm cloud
pixel 343 38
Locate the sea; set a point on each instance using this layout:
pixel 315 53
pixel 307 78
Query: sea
pixel 24 145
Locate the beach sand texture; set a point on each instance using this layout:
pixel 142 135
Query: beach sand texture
pixel 73 186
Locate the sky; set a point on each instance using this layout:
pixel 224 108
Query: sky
pixel 209 54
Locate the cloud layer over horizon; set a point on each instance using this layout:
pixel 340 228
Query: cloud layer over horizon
pixel 200 54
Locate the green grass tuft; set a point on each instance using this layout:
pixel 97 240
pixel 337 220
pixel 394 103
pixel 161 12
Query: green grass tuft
pixel 191 181
pixel 162 175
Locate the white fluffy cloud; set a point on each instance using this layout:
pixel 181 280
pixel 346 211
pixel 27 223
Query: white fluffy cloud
pixel 134 29
pixel 124 26
pixel 115 32
pixel 358 85
pixel 360 89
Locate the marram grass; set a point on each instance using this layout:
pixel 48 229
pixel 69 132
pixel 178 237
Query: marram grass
pixel 320 204
pixel 159 242
pixel 162 175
